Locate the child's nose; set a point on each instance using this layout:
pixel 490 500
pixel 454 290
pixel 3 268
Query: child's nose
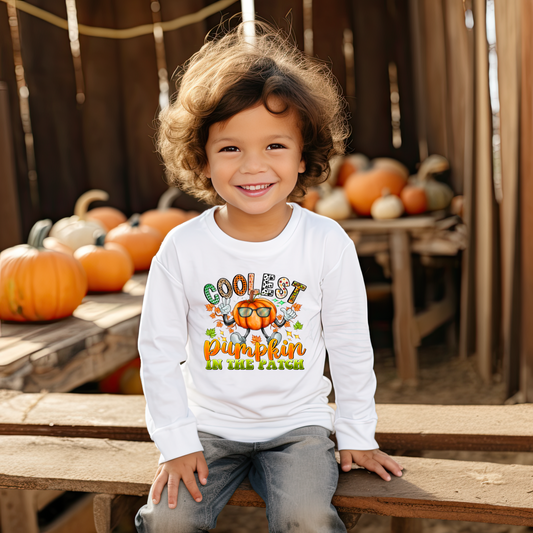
pixel 253 163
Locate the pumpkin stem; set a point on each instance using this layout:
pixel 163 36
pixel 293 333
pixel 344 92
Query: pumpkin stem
pixel 38 233
pixel 432 165
pixel 80 209
pixel 167 198
pixel 100 238
pixel 135 220
pixel 253 294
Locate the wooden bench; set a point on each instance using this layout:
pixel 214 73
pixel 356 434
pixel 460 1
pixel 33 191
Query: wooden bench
pixel 99 444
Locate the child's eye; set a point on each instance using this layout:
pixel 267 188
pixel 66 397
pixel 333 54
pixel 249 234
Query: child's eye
pixel 229 149
pixel 275 146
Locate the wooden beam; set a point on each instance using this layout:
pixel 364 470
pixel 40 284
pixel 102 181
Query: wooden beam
pixel 403 322
pixel 435 315
pixel 110 508
pixel 526 203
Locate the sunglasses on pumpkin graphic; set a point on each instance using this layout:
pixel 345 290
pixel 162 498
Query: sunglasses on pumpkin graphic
pixel 263 312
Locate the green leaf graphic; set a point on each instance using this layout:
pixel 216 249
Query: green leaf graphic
pixel 298 325
pixel 211 333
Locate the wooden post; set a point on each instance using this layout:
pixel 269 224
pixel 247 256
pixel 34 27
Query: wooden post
pixel 507 15
pixel 17 512
pixel 406 525
pixel 486 327
pixel 403 322
pixel 110 508
pixel 10 227
pixel 526 198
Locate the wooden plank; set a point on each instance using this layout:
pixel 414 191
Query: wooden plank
pixel 435 315
pixel 103 142
pixel 139 100
pixel 17 512
pixel 423 427
pixel 435 80
pixel 10 227
pixel 55 114
pixel 110 508
pixel 459 109
pixel 459 490
pixel 330 20
pixel 90 364
pixel 379 226
pixel 486 273
pixel 371 108
pixel 526 203
pixel 463 495
pixel 508 23
pixel 403 321
pixel 467 328
pixel 7 74
pixel 401 52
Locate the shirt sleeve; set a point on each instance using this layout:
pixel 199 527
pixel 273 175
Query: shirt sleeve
pixel 351 358
pixel 162 340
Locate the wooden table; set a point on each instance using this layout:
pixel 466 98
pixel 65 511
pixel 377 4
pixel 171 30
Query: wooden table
pixel 391 242
pixel 59 356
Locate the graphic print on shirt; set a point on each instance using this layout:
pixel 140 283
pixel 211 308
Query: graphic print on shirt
pixel 256 322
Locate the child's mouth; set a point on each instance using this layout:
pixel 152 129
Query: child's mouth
pixel 255 190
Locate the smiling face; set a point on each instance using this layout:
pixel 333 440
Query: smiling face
pixel 254 159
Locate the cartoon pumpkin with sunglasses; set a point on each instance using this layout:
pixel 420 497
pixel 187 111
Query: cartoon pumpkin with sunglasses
pixel 256 314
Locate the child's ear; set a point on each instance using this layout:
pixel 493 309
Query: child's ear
pixel 207 171
pixel 301 167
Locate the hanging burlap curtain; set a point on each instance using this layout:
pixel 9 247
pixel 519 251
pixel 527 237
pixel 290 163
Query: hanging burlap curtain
pixel 454 117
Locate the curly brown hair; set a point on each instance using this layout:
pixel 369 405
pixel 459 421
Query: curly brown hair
pixel 228 75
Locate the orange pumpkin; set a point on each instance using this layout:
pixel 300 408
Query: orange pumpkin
pixel 39 284
pixel 109 217
pixel 351 164
pixel 364 188
pixel 309 201
pixel 250 308
pixel 124 380
pixel 142 242
pixel 414 200
pixel 165 218
pixel 108 266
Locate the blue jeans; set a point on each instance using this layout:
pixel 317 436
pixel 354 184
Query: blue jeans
pixel 296 475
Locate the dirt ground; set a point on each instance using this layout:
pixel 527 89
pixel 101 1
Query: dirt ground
pixel 443 380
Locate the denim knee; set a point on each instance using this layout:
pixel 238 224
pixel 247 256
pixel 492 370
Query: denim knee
pixel 187 517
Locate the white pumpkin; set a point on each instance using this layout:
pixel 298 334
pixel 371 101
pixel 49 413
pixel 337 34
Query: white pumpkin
pixel 386 207
pixel 335 205
pixel 438 194
pixel 75 231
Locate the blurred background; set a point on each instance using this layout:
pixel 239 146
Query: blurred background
pixel 82 82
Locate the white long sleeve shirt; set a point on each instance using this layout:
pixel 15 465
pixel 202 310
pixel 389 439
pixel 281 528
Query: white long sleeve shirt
pixel 233 336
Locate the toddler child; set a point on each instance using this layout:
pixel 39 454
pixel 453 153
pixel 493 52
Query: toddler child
pixel 243 301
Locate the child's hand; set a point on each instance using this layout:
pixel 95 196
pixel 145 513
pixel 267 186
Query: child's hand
pixel 373 460
pixel 183 468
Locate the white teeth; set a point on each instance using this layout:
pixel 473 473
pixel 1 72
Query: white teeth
pixel 254 187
